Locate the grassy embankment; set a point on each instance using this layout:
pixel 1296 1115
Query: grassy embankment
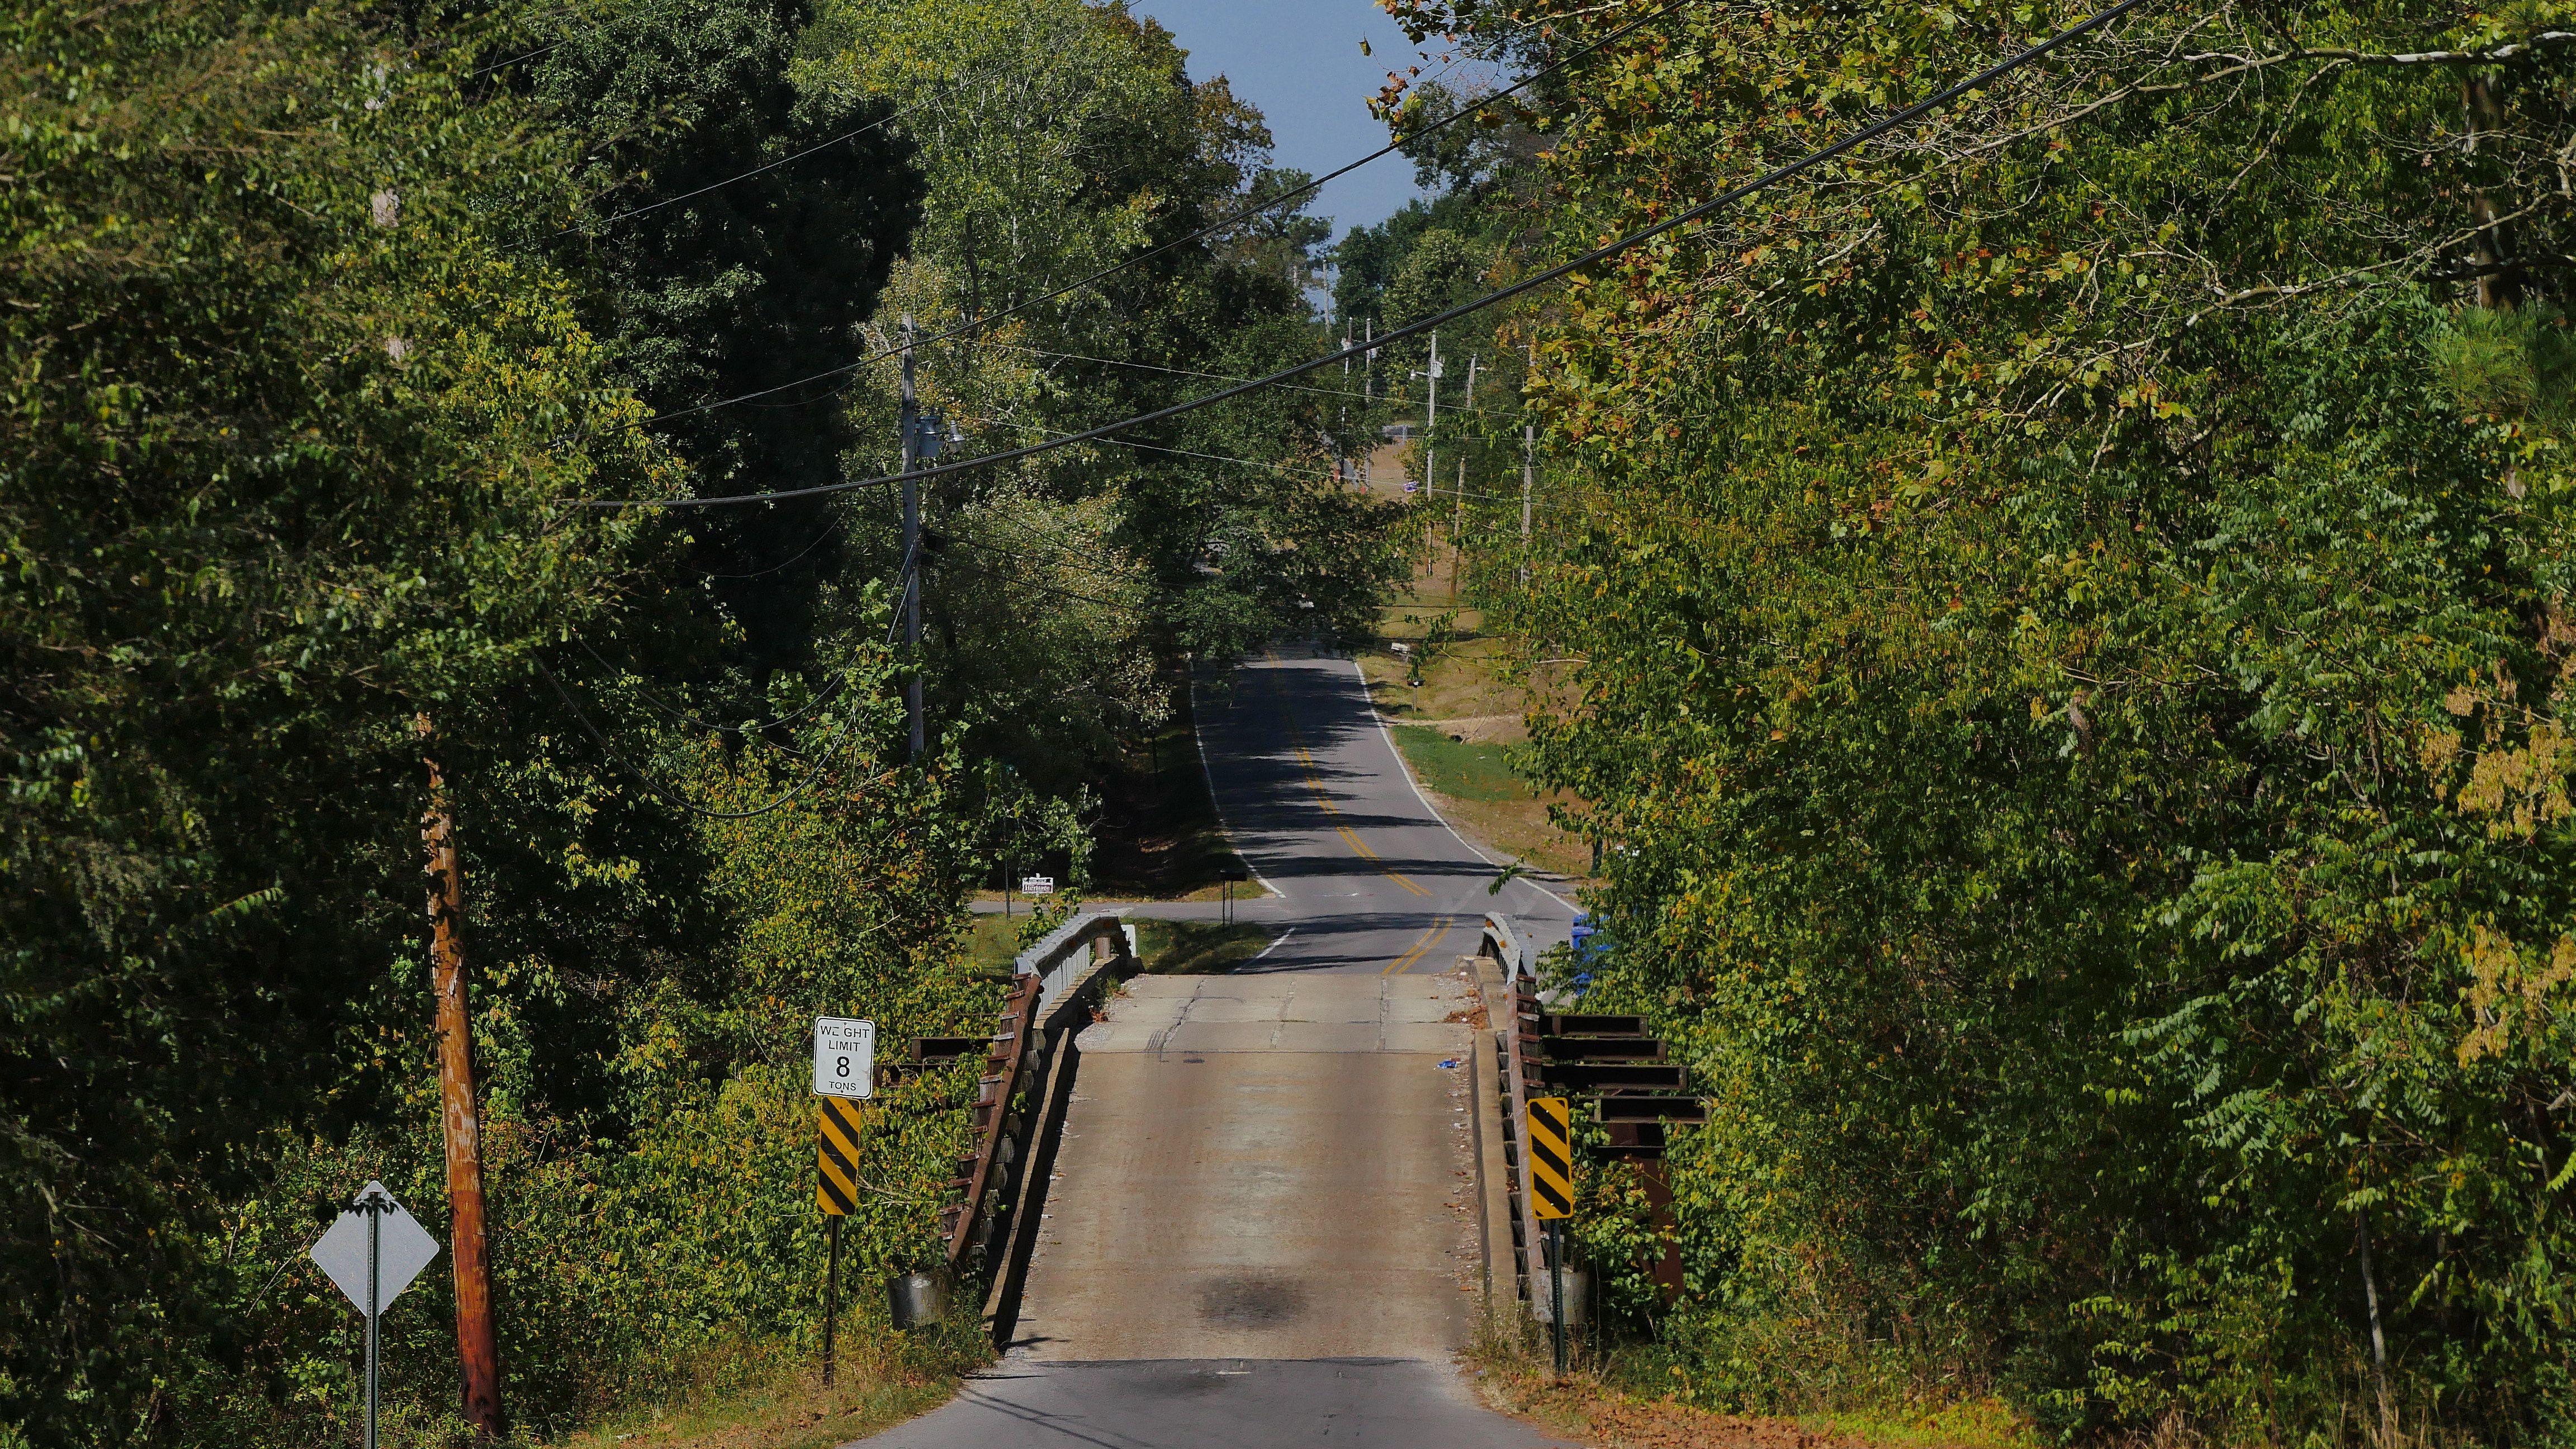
pixel 1164 947
pixel 1624 1398
pixel 878 1383
pixel 1456 729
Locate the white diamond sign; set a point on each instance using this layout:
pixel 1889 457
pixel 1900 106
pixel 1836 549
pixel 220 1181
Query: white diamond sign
pixel 402 1248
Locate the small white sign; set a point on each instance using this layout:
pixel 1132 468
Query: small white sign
pixel 845 1057
pixel 1037 885
pixel 403 1247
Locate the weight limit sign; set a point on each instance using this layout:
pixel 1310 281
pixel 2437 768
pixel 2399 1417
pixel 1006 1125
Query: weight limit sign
pixel 845 1057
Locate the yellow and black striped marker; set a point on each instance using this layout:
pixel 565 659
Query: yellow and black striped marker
pixel 836 1155
pixel 1551 1159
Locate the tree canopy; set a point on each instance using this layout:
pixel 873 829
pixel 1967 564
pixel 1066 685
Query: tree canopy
pixel 2070 608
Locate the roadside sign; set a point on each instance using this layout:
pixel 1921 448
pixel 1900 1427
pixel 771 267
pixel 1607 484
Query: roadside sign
pixel 845 1057
pixel 1551 1159
pixel 836 1156
pixel 1037 885
pixel 371 1253
pixel 402 1248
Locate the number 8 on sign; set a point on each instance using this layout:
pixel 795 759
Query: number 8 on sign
pixel 845 1057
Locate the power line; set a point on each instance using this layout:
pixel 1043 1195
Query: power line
pixel 979 323
pixel 1175 371
pixel 1159 448
pixel 1210 376
pixel 812 544
pixel 675 797
pixel 1530 283
pixel 881 121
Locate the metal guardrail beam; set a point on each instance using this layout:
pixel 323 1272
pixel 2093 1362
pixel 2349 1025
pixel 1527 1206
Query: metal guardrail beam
pixel 1056 959
pixel 1505 941
pixel 1044 978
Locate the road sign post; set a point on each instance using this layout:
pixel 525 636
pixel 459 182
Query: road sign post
pixel 1551 1158
pixel 845 1074
pixel 831 1292
pixel 371 1254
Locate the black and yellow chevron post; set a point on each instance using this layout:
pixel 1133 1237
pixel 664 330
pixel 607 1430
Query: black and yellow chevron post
pixel 1551 1157
pixel 836 1155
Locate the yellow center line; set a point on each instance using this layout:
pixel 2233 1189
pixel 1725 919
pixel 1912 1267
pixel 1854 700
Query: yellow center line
pixel 1350 837
pixel 1430 938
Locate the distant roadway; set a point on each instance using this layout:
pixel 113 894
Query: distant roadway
pixel 1369 877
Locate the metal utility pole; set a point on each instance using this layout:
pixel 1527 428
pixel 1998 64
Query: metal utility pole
pixel 478 1347
pixel 911 425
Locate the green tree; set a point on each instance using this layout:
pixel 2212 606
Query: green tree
pixel 1060 139
pixel 2071 608
pixel 287 432
pixel 736 228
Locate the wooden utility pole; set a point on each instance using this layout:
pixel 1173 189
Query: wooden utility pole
pixel 1529 467
pixel 911 545
pixel 478 1347
pixel 1458 530
pixel 1430 423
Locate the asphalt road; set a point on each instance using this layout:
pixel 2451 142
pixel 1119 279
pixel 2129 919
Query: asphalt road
pixel 1215 1404
pixel 1367 876
pixel 1264 1228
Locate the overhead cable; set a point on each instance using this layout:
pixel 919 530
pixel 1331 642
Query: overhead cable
pixel 1210 376
pixel 1178 452
pixel 1527 284
pixel 1028 583
pixel 977 324
pixel 881 121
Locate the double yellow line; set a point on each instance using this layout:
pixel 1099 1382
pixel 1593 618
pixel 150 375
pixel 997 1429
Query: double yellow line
pixel 1350 837
pixel 1430 938
pixel 1359 847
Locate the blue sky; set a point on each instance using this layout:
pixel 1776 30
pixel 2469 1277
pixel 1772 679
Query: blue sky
pixel 1300 62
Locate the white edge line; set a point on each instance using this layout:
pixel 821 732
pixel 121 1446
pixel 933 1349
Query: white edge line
pixel 1198 738
pixel 1275 945
pixel 1406 766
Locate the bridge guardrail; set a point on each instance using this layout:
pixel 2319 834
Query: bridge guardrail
pixel 1047 986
